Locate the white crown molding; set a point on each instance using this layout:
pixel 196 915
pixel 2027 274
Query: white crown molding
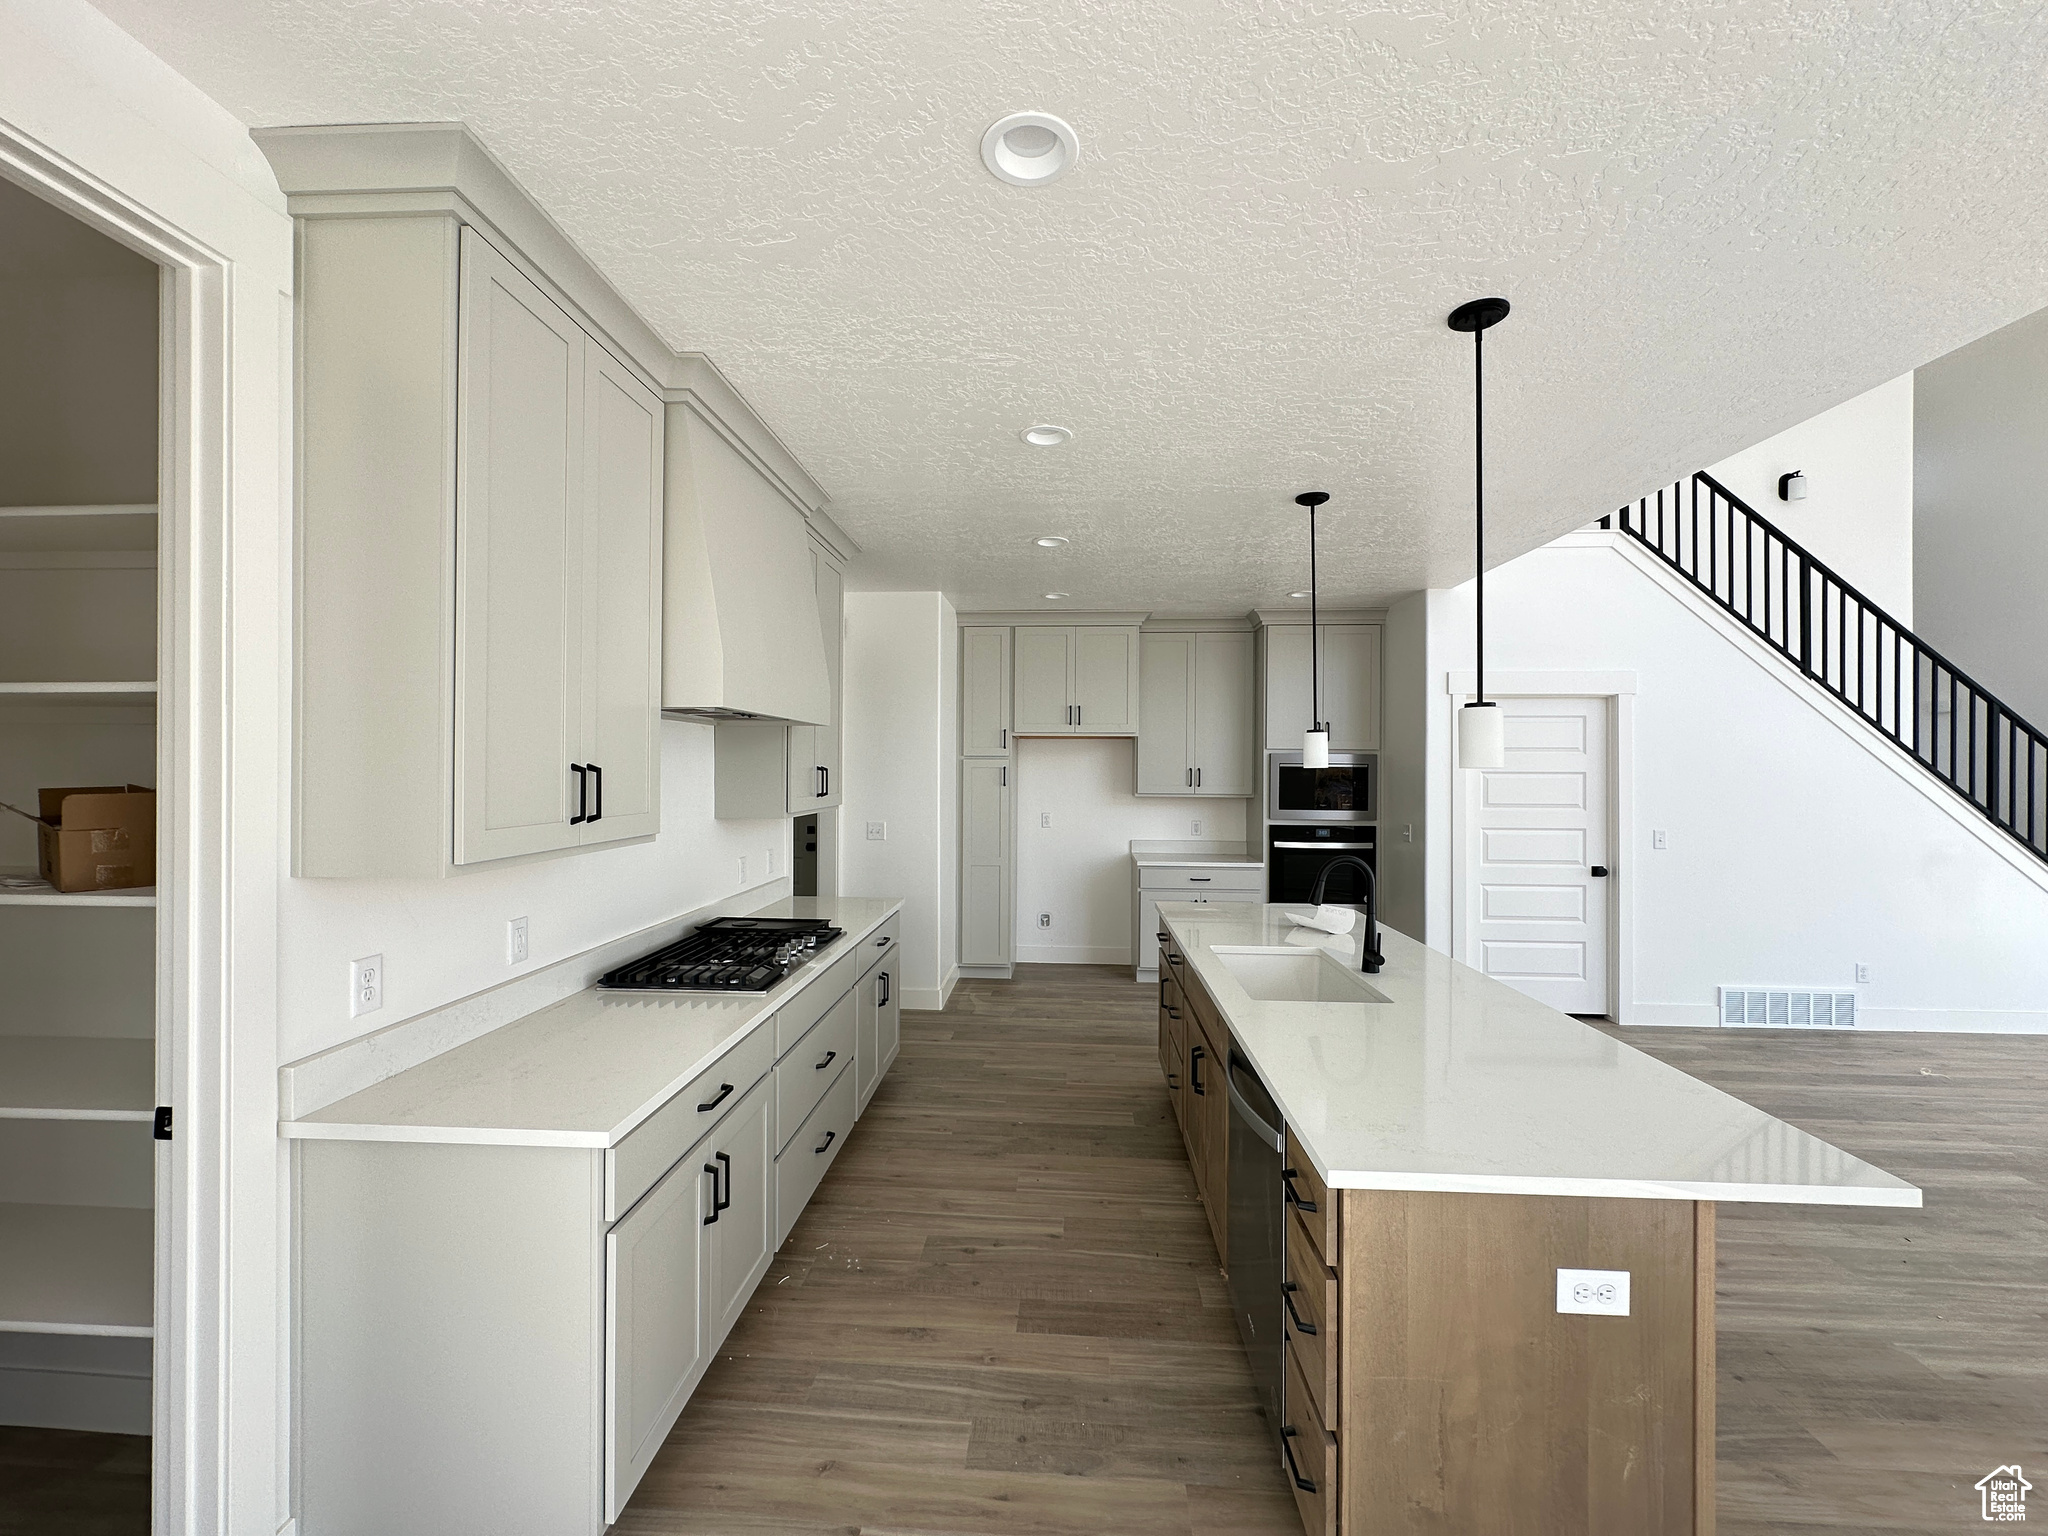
pixel 1184 623
pixel 1039 616
pixel 1274 617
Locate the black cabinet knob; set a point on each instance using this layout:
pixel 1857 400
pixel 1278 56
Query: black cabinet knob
pixel 1599 871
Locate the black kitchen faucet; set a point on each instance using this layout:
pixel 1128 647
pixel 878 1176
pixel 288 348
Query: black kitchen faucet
pixel 1369 957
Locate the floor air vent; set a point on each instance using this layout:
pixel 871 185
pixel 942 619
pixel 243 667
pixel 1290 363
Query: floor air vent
pixel 1787 1008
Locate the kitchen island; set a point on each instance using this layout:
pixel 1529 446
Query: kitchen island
pixel 1453 1152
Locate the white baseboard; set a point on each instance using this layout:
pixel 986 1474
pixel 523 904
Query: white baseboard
pixel 59 1381
pixel 315 1081
pixel 930 999
pixel 984 972
pixel 1073 954
pixel 1869 1020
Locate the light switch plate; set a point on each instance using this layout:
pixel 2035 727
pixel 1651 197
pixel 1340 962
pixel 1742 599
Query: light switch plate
pixel 1596 1292
pixel 1045 818
pixel 1659 838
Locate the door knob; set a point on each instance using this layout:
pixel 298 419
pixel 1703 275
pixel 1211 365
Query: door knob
pixel 1599 871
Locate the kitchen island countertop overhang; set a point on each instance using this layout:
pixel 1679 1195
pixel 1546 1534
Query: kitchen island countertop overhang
pixel 1459 1083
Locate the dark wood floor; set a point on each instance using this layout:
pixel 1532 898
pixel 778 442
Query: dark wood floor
pixel 54 1482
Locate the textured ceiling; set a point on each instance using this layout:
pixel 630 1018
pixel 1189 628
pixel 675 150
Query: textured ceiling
pixel 1712 219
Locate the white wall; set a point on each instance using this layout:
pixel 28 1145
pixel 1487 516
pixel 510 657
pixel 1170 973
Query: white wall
pixel 444 939
pixel 81 91
pixel 902 770
pixel 1799 844
pixel 1402 854
pixel 1079 868
pixel 1981 511
pixel 1858 513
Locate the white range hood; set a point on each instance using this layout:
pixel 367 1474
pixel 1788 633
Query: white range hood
pixel 741 638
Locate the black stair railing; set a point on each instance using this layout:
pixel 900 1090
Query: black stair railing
pixel 1950 724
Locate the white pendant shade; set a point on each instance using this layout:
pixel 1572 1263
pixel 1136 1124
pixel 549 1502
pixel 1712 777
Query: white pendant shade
pixel 1315 749
pixel 1481 742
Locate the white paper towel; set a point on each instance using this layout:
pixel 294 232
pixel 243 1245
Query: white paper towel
pixel 1328 918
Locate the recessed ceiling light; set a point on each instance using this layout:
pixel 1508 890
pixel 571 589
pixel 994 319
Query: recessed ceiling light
pixel 1050 541
pixel 1045 435
pixel 1029 149
pixel 1053 597
pixel 1297 594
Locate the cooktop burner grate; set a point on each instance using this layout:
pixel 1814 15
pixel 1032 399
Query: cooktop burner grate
pixel 727 954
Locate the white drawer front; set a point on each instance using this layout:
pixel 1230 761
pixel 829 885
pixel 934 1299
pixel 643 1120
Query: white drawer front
pixel 1202 881
pixel 810 1152
pixel 803 1076
pixel 817 998
pixel 651 1149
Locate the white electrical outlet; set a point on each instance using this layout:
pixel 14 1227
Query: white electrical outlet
pixel 1045 919
pixel 878 831
pixel 365 986
pixel 768 864
pixel 1862 971
pixel 1194 829
pixel 1408 832
pixel 515 941
pixel 743 869
pixel 1594 1292
pixel 1045 818
pixel 1659 838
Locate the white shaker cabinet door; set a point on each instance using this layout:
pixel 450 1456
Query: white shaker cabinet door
pixel 867 1039
pixel 622 601
pixel 519 550
pixel 740 1234
pixel 1221 735
pixel 832 621
pixel 1351 685
pixel 889 1018
pixel 1166 665
pixel 1106 680
pixel 985 691
pixel 1045 680
pixel 654 1324
pixel 984 862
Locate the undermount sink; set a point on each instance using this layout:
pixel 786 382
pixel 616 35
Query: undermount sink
pixel 1295 975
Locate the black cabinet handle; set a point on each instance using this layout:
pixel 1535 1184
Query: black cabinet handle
pixel 821 1066
pixel 724 1089
pixel 597 791
pixel 1006 740
pixel 1195 1070
pixel 1187 778
pixel 830 1136
pixel 1077 714
pixel 1006 776
pixel 1287 1178
pixel 1161 936
pixel 712 1169
pixel 884 981
pixel 1599 871
pixel 582 792
pixel 1200 879
pixel 1173 959
pixel 1287 1434
pixel 1198 778
pixel 716 1203
pixel 1287 1290
pixel 827 790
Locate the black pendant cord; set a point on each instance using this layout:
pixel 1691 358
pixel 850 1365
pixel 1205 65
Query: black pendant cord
pixel 1479 497
pixel 1315 675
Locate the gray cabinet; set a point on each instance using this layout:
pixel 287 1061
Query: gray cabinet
pixel 1195 713
pixel 1079 680
pixel 815 750
pixel 878 1028
pixel 985 691
pixel 738 1165
pixel 1351 685
pixel 986 859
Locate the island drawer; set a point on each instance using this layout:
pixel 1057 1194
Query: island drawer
pixel 876 944
pixel 811 1067
pixel 1309 1198
pixel 651 1148
pixel 1310 1454
pixel 1250 881
pixel 1308 1305
pixel 815 1000
pixel 1171 961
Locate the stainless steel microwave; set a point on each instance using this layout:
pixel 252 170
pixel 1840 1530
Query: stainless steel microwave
pixel 1348 790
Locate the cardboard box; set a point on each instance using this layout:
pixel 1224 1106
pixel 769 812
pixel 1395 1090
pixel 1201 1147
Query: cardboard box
pixel 101 838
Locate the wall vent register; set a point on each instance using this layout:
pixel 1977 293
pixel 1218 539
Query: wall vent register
pixel 727 954
pixel 1787 1008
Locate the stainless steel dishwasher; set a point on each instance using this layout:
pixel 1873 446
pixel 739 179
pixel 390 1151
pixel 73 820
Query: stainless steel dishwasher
pixel 1256 1231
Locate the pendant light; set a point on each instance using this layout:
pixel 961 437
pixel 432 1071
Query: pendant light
pixel 1481 742
pixel 1315 741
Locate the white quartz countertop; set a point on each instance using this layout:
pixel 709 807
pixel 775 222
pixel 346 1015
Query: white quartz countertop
pixel 585 1071
pixel 1191 853
pixel 1461 1083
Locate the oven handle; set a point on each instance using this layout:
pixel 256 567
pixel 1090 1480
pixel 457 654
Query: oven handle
pixel 1250 1116
pixel 1329 847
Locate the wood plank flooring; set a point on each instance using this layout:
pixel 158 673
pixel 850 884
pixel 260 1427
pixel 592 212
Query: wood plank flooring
pixel 56 1482
pixel 1001 1313
pixel 1875 1364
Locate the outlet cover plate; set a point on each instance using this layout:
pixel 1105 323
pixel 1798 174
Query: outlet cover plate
pixel 1594 1292
pixel 365 986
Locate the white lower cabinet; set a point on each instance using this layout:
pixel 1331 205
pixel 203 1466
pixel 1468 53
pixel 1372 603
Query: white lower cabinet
pixel 878 1030
pixel 654 1324
pixel 739 1230
pixel 811 1151
pixel 986 862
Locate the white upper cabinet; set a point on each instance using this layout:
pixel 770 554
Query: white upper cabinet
pixel 984 691
pixel 1195 713
pixel 1076 681
pixel 816 751
pixel 479 560
pixel 1351 685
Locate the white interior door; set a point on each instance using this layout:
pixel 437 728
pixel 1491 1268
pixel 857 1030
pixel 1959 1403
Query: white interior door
pixel 1536 913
